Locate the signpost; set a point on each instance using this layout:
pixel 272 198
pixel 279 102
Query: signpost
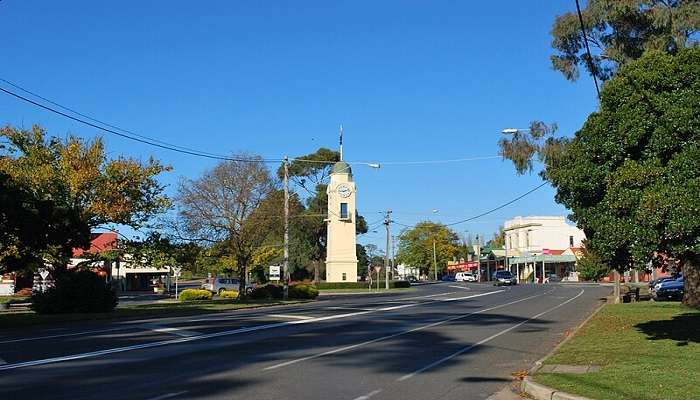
pixel 274 272
pixel 44 274
pixel 176 273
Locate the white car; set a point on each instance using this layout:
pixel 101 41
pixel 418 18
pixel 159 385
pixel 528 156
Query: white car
pixel 219 284
pixel 465 277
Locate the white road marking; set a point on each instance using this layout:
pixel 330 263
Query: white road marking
pixel 65 335
pixel 393 335
pixel 460 287
pixel 289 316
pixel 482 341
pixel 350 308
pixel 171 330
pixel 237 331
pixel 168 395
pixel 368 395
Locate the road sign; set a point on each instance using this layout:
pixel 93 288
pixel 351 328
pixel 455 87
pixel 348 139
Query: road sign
pixel 44 273
pixel 274 272
pixel 177 271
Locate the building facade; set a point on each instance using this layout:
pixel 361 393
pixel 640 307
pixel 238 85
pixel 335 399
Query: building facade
pixel 341 253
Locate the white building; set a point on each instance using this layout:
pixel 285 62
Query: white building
pixel 534 235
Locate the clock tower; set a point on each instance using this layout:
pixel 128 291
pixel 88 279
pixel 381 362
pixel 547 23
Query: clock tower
pixel 341 257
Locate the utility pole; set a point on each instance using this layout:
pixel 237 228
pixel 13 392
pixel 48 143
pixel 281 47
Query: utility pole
pixel 387 222
pixel 434 260
pixel 286 229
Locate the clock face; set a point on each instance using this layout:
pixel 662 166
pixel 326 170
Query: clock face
pixel 344 190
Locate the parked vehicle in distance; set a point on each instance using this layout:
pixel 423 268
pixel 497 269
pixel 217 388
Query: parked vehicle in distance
pixel 669 290
pixel 504 278
pixel 448 278
pixel 552 278
pixel 218 284
pixel 465 277
pixel 411 278
pixel 654 282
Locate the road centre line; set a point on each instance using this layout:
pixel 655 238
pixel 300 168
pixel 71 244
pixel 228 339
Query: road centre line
pixel 237 331
pixel 368 395
pixel 488 339
pixel 168 395
pixel 393 335
pixel 289 316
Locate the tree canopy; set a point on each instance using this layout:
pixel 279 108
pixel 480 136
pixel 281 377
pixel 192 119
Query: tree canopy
pixel 416 246
pixel 631 175
pixel 70 187
pixel 619 31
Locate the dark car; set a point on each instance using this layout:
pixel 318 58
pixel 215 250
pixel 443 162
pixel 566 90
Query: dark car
pixel 504 278
pixel 448 278
pixel 411 279
pixel 656 281
pixel 669 290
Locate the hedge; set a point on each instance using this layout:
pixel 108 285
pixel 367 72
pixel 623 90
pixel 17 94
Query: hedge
pixel 195 294
pixel 267 292
pixel 76 292
pixel 303 291
pixel 228 294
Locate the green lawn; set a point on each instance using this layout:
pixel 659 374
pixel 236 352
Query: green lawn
pixel 648 351
pixel 171 308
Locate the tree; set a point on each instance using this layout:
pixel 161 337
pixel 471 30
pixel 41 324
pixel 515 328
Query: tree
pixel 223 205
pixel 591 268
pixel 619 31
pixel 631 175
pixel 416 246
pixel 29 227
pixel 75 185
pixel 498 240
pixel 363 260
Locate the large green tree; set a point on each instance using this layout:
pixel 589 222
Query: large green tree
pixel 78 188
pixel 620 31
pixel 416 246
pixel 631 175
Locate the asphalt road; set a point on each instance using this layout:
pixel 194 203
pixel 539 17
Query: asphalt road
pixel 442 341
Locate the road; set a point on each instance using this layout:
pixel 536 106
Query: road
pixel 442 341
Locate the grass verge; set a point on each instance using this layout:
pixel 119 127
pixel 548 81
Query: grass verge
pixel 647 350
pixel 170 308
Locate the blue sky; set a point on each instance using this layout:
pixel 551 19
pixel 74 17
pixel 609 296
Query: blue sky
pixel 409 80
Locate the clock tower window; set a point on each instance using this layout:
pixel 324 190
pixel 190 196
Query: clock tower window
pixel 343 210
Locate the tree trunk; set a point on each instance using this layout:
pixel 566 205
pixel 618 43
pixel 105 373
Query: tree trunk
pixel 691 276
pixel 317 272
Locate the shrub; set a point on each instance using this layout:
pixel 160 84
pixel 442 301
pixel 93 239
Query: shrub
pixel 75 292
pixel 195 295
pixel 266 292
pixel 343 285
pixel 401 284
pixel 229 294
pixel 303 291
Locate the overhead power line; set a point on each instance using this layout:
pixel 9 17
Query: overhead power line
pixel 588 48
pixel 486 212
pixel 131 135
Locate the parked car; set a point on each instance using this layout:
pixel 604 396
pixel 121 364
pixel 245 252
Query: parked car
pixel 448 278
pixel 219 284
pixel 669 290
pixel 465 277
pixel 504 278
pixel 411 278
pixel 657 281
pixel 552 278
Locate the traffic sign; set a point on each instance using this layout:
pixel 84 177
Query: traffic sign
pixel 44 273
pixel 274 272
pixel 177 271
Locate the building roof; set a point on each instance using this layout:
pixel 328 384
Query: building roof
pixel 341 167
pixel 98 242
pixel 543 257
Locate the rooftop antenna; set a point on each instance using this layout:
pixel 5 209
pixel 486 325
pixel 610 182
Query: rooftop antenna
pixel 341 142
